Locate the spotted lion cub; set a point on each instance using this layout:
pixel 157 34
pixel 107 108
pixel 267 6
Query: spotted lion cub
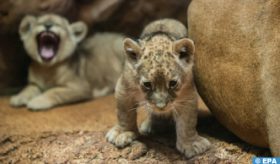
pixel 158 75
pixel 60 72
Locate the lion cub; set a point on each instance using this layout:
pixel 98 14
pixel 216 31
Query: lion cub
pixel 158 75
pixel 59 73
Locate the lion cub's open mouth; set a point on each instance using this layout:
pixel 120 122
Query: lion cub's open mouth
pixel 48 43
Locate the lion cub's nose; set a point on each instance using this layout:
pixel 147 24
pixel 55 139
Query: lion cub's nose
pixel 160 104
pixel 48 25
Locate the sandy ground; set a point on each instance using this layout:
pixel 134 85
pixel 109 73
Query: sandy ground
pixel 75 134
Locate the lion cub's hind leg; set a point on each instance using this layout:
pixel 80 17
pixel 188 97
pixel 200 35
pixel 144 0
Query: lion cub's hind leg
pixel 146 126
pixel 154 124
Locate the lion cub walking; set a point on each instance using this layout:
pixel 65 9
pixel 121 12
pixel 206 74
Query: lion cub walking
pixel 158 75
pixel 59 73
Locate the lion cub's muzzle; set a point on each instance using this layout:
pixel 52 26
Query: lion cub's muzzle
pixel 48 44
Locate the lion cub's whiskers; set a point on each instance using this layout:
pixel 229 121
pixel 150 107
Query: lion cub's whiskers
pixel 139 105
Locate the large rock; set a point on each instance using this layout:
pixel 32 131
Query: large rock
pixel 237 65
pixel 129 16
pixel 114 15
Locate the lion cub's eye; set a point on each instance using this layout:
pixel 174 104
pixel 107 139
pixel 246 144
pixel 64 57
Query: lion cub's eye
pixel 173 84
pixel 148 85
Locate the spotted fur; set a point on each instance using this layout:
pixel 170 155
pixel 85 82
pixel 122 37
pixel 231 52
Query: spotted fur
pixel 158 76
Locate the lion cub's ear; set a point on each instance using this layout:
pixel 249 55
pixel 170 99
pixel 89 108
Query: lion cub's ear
pixel 132 49
pixel 26 25
pixel 79 30
pixel 184 48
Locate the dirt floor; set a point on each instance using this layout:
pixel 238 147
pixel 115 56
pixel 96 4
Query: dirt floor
pixel 75 134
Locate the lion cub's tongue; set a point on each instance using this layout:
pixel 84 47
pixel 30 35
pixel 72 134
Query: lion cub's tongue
pixel 47 52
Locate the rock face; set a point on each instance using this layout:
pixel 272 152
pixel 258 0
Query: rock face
pixel 130 17
pixel 13 64
pixel 118 15
pixel 237 64
pixel 125 16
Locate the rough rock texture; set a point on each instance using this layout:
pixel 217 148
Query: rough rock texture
pixel 91 147
pixel 75 134
pixel 120 15
pixel 130 17
pixel 237 59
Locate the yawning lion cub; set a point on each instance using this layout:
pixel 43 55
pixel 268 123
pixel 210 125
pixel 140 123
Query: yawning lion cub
pixel 59 73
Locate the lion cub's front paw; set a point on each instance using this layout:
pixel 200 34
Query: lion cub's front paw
pixel 200 145
pixel 18 101
pixel 39 103
pixel 119 137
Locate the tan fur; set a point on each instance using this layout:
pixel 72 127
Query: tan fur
pixel 72 75
pixel 237 65
pixel 160 57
